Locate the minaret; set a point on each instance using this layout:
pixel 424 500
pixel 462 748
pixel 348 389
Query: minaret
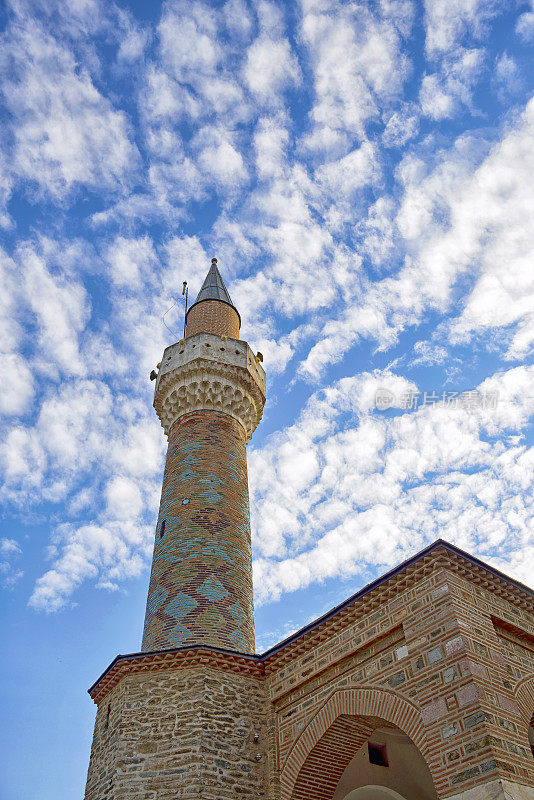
pixel 209 396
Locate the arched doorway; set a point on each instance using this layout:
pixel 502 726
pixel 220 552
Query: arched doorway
pixel 360 738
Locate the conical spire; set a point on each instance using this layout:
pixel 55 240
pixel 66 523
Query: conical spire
pixel 213 287
pixel 213 310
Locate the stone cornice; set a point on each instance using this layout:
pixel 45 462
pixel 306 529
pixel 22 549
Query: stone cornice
pixel 207 374
pixel 177 658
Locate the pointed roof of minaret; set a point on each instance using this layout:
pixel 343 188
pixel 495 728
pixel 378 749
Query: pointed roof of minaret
pixel 213 288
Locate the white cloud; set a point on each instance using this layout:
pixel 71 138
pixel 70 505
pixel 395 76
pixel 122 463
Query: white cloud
pixel 379 233
pixel 131 260
pixel 491 219
pixel 89 548
pixel 345 490
pixel 436 102
pixel 196 74
pixel 6 186
pixel 133 39
pixel 124 497
pixel 457 217
pixel 401 126
pixel 351 173
pixel 270 68
pixel 65 133
pixel 321 239
pixel 270 143
pixel 449 22
pixel 453 28
pixel 507 78
pixel 9 574
pixel 9 547
pixel 195 78
pixel 17 385
pixel 443 94
pixel 61 307
pixel 237 18
pixel 164 98
pixel 276 353
pixel 219 159
pixel 357 62
pixel 107 448
pixel 188 41
pixel 428 354
pixel 75 19
pixel 525 25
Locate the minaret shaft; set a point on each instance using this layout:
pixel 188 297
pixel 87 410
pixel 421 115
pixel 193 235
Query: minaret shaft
pixel 201 582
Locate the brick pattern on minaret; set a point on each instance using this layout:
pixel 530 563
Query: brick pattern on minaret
pixel 201 582
pixel 214 317
pixel 209 396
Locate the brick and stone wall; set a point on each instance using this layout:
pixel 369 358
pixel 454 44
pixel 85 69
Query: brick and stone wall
pixel 212 316
pixel 192 734
pixel 437 665
pixel 201 581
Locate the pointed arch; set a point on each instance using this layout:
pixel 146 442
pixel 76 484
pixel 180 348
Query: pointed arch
pixel 524 692
pixel 347 717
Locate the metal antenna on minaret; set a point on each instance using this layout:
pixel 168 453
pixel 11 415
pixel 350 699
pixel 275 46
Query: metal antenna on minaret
pixel 163 320
pixel 185 291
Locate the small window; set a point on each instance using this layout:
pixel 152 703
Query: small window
pixel 378 755
pixel 162 530
pixel 108 712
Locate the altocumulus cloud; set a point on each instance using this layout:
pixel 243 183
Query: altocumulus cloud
pixel 359 169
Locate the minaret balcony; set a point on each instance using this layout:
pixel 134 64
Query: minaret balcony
pixel 212 373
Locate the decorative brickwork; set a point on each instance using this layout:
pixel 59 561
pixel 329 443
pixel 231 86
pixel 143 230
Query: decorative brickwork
pixel 201 582
pixel 175 659
pixel 212 316
pixel 209 396
pixel 342 725
pixel 445 658
pixel 496 790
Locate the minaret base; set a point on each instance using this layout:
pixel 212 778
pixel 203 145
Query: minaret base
pixel 190 732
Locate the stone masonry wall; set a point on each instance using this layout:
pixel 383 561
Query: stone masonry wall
pixel 181 735
pixel 200 588
pixel 104 748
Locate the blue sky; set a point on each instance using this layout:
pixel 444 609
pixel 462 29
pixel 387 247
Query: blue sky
pixel 364 173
